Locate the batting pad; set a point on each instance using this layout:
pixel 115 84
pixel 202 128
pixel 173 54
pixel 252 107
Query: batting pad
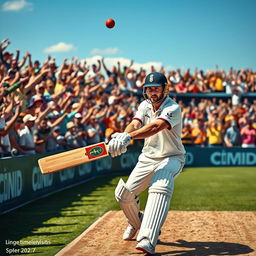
pixel 129 203
pixel 154 216
pixel 159 197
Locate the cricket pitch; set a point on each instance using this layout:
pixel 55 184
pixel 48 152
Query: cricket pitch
pixel 185 233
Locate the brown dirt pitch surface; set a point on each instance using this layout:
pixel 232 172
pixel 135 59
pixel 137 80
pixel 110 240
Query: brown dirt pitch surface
pixel 185 233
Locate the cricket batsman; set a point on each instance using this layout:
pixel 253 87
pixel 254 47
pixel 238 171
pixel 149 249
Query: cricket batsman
pixel 158 121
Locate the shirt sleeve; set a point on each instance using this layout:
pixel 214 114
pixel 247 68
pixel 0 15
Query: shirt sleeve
pixel 22 140
pixel 140 114
pixel 171 115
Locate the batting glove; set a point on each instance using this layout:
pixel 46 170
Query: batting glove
pixel 124 137
pixel 115 148
pixel 118 144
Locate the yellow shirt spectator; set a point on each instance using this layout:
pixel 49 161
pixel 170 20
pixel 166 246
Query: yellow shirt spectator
pixel 186 136
pixel 219 85
pixel 59 88
pixel 214 134
pixel 199 136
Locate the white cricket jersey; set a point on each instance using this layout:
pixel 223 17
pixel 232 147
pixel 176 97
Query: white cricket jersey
pixel 167 142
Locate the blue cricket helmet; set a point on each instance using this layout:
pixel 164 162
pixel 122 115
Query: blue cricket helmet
pixel 156 79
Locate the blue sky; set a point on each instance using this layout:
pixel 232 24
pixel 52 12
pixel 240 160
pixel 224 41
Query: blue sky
pixel 174 33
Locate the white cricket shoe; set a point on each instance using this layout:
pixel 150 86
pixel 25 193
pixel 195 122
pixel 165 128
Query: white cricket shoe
pixel 145 246
pixel 129 232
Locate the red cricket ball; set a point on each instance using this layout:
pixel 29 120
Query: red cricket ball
pixel 110 23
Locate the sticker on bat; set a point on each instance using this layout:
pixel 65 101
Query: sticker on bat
pixel 95 151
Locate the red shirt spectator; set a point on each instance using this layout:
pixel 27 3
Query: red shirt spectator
pixel 181 87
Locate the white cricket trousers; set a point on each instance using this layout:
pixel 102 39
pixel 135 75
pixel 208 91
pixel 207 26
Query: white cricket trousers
pixel 158 175
pixel 149 172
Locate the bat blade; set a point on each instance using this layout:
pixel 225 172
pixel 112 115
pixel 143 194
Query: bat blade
pixel 72 158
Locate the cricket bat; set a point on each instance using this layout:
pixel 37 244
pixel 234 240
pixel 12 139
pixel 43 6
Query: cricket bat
pixel 72 158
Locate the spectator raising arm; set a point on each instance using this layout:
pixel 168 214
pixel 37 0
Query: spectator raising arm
pixel 36 80
pixel 4 44
pixel 9 124
pixel 59 120
pixel 105 67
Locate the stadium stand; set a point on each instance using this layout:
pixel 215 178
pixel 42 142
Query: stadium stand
pixel 46 108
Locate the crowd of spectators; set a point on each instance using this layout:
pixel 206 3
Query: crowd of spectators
pixel 50 108
pixel 212 122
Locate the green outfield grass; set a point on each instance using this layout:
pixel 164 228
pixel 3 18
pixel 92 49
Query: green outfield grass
pixel 57 220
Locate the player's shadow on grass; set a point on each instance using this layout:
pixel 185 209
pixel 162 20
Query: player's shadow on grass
pixel 206 248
